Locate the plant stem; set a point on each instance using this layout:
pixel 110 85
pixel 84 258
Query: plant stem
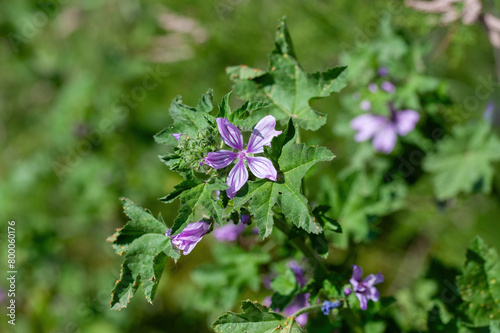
pixel 313 308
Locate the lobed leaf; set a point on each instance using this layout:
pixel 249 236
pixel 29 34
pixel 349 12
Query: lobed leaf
pixel 255 318
pixel 463 161
pixel 286 86
pixel 479 285
pixel 187 120
pixel 146 248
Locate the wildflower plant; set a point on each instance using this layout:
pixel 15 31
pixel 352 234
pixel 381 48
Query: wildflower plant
pixel 245 191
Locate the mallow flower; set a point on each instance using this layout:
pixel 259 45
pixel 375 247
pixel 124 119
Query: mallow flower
pixel 187 239
pixel 364 289
pixel 261 167
pixel 230 231
pixel 384 130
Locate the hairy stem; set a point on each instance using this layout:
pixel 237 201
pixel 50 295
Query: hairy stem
pixel 313 308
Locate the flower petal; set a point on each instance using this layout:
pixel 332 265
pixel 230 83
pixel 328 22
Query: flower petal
pixel 229 232
pixel 236 179
pixel 366 125
pixel 373 294
pixel 388 86
pixel 406 121
pixel 220 159
pixel 190 236
pixel 372 279
pixel 262 135
pixel 363 301
pixel 177 136
pixel 230 134
pixel 262 168
pixel 357 273
pixel 385 139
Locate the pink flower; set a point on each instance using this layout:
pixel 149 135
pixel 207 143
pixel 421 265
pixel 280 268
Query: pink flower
pixel 383 130
pixel 261 167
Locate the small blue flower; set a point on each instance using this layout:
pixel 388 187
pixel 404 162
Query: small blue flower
pixel 329 306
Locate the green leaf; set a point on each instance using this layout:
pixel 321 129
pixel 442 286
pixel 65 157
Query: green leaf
pixel 255 318
pixel 146 248
pixel 185 185
pixel 294 161
pixel 463 161
pixel 479 285
pixel 238 116
pixel 187 120
pixel 285 283
pixel 196 203
pixel 286 86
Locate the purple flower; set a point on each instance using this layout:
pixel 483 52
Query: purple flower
pixel 190 236
pixel 229 232
pixel 372 87
pixel 177 136
pixel 245 218
pixel 365 105
pixel 261 167
pixel 364 289
pixel 383 71
pixel 383 130
pixel 298 271
pixel 388 86
pixel 300 301
pixel 329 306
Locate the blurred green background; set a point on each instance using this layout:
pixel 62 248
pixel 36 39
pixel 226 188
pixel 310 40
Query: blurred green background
pixel 84 86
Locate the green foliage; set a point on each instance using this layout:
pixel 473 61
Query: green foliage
pixel 463 162
pixel 199 202
pixel 255 318
pixel 217 286
pixel 286 86
pixel 294 160
pixel 479 285
pixel 187 120
pixel 146 248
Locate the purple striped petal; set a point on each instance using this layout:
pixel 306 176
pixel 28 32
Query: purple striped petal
pixel 220 159
pixel 262 135
pixel 262 168
pixel 366 125
pixel 406 121
pixel 230 134
pixel 190 236
pixel 177 136
pixel 385 139
pixel 236 179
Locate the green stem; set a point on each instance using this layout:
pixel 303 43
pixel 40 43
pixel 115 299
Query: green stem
pixel 313 308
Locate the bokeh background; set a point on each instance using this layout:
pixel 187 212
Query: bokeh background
pixel 84 86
